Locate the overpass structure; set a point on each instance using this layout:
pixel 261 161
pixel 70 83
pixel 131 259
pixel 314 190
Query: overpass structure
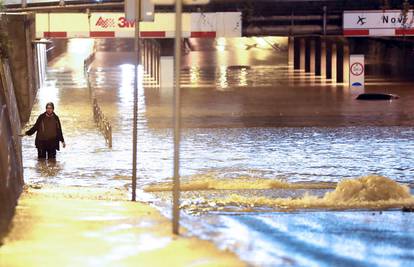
pixel 259 17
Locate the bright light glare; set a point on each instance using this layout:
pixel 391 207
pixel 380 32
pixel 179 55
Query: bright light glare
pixel 80 45
pixel 221 44
pixel 261 42
pixel 223 77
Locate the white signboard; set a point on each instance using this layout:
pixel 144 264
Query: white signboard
pixel 116 25
pixel 378 23
pixel 357 73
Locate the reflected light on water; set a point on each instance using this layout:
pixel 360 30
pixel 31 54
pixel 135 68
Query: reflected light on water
pixel 126 92
pixel 223 77
pixel 221 44
pixel 243 77
pixel 194 75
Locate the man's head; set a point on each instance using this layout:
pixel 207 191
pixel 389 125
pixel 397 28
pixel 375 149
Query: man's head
pixel 50 107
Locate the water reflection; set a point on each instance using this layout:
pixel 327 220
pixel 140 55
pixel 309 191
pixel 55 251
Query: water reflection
pixel 243 77
pixel 223 78
pixel 218 142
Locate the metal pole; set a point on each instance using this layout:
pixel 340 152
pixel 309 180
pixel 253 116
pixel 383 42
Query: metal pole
pixel 177 115
pixel 135 119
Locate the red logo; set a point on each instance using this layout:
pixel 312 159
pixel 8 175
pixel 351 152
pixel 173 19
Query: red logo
pixel 105 23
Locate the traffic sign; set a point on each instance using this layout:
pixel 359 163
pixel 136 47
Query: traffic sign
pixel 378 23
pixel 357 73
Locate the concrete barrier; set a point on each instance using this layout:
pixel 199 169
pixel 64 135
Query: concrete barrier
pixel 21 33
pixel 11 169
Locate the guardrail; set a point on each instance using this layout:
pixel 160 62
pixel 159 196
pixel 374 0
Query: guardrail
pixel 101 121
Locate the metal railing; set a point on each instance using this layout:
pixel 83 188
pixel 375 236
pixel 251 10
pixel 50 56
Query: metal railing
pixel 101 121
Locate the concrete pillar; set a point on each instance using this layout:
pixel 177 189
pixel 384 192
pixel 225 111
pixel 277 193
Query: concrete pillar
pixel 154 60
pixel 323 59
pixel 334 68
pixel 159 64
pixel 291 51
pixel 302 54
pixel 346 63
pixel 167 73
pixel 312 64
pixel 149 57
pixel 146 55
pixel 142 52
pixel 21 33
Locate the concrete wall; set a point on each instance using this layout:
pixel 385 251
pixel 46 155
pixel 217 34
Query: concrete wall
pixel 21 33
pixel 11 170
pixel 19 80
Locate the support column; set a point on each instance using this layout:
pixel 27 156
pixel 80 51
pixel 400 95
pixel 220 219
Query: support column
pixel 323 59
pixel 346 63
pixel 312 64
pixel 143 55
pixel 302 54
pixel 146 56
pixel 334 68
pixel 158 64
pixel 291 51
pixel 152 59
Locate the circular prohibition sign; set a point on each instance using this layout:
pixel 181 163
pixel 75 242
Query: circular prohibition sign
pixel 357 69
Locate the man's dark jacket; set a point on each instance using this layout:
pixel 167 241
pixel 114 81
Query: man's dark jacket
pixel 40 123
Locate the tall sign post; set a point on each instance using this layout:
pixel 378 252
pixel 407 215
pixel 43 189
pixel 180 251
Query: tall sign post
pixel 135 119
pixel 177 117
pixel 177 104
pixel 357 73
pixel 136 11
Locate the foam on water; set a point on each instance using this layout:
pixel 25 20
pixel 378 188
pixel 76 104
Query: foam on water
pixel 368 192
pixel 211 182
pixel 368 189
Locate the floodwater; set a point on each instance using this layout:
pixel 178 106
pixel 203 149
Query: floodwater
pixel 262 150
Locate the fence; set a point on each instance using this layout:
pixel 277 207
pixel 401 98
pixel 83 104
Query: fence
pixel 101 121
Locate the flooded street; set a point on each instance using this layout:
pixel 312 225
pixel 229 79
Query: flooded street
pixel 254 133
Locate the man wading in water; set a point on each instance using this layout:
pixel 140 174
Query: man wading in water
pixel 49 133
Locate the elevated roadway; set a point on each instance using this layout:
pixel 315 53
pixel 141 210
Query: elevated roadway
pixel 260 17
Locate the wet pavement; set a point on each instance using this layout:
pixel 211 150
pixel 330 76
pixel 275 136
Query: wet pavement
pixel 61 226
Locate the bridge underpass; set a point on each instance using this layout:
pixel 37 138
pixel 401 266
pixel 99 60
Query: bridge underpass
pixel 253 87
